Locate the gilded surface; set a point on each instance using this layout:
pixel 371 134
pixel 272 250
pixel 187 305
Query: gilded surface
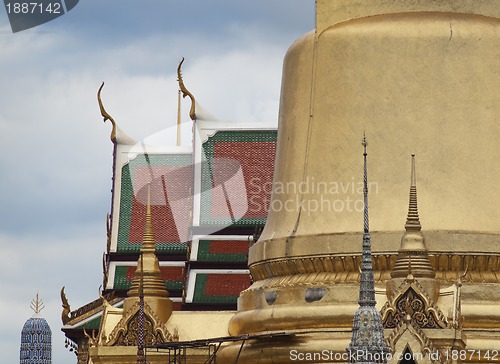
pixel 420 77
pixel 410 305
pixel 345 268
pixel 126 331
pixel 354 90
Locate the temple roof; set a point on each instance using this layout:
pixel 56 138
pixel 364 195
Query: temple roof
pixel 206 201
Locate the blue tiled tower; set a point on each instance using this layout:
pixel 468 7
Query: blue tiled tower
pixel 36 338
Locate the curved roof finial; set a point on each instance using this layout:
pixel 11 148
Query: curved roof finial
pixel 66 308
pixel 185 92
pixel 105 115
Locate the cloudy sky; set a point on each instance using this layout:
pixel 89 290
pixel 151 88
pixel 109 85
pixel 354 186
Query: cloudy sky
pixel 55 152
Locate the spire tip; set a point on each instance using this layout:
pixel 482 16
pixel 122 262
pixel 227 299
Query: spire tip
pixel 412 220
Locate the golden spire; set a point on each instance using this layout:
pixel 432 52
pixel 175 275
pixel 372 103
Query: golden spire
pixel 148 285
pixel 185 92
pixel 412 220
pixel 148 267
pixel 413 257
pixel 37 305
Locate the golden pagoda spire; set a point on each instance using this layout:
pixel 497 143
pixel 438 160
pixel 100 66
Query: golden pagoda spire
pixel 412 254
pixel 148 281
pixel 148 266
pixel 412 220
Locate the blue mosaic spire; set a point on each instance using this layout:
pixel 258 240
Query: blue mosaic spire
pixel 36 338
pixel 367 345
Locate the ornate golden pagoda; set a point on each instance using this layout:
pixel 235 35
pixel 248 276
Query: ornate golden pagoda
pixel 421 319
pixel 147 279
pixel 124 332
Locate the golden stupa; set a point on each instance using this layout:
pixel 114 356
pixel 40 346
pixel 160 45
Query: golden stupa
pixel 419 77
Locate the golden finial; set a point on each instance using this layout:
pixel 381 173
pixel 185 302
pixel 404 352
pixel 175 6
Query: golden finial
pixel 105 115
pixel 66 308
pixel 37 305
pixel 185 91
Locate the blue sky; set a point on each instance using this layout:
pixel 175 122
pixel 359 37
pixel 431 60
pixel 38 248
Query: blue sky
pixel 55 152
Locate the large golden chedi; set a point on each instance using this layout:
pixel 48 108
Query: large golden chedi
pixel 420 77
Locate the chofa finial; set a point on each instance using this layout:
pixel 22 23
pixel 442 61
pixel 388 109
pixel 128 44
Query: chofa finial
pixel 185 92
pixel 105 115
